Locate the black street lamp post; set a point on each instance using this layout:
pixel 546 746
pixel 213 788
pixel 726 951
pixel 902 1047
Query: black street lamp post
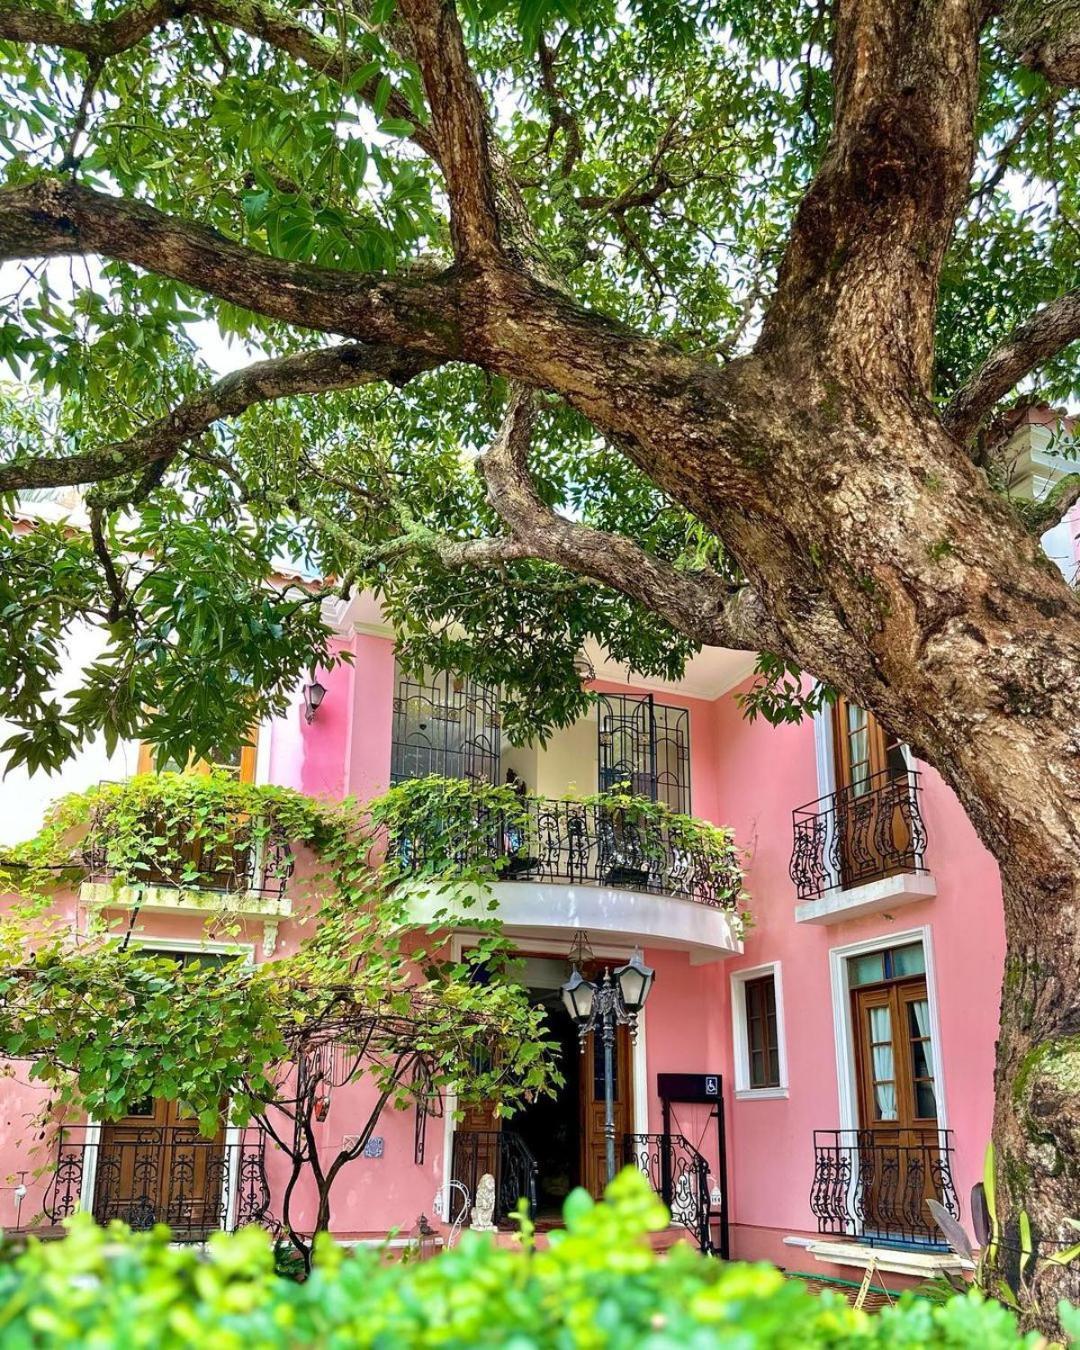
pixel 615 1001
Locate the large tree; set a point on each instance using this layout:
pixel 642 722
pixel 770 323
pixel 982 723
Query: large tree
pixel 732 293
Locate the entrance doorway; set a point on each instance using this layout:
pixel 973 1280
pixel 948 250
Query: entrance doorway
pixel 565 1133
pixel 550 1128
pixel 559 1140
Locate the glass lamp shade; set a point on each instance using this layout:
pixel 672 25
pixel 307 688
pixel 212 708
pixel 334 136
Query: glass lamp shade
pixel 634 981
pixel 578 994
pixel 314 694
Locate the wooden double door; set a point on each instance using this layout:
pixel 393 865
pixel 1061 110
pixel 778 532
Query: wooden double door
pixel 154 1166
pixel 875 835
pixel 899 1160
pixel 566 1136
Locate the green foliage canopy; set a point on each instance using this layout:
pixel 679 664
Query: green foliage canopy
pixel 661 147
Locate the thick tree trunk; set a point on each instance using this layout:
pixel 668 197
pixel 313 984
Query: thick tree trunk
pixel 1037 1115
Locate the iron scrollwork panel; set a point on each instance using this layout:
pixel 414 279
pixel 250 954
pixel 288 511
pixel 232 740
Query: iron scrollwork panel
pixel 877 1189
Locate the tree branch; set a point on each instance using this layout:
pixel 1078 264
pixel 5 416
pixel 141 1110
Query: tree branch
pixel 562 119
pixel 700 604
pixel 1045 35
pixel 108 37
pixel 319 372
pixel 1055 506
pixel 461 125
pixel 54 218
pixel 1047 332
pixel 488 217
pixel 859 279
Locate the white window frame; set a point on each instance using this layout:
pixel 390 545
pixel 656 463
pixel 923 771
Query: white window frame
pixel 847 1086
pixel 739 980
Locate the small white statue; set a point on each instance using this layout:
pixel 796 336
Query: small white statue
pixel 483 1212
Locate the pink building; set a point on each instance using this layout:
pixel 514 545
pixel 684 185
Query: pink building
pixel 797 1092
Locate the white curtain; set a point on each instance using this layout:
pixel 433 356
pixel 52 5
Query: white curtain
pixel 885 1088
pixel 921 1011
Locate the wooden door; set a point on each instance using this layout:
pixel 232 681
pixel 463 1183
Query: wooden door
pixel 874 837
pixel 154 1166
pixel 899 1157
pixel 593 1145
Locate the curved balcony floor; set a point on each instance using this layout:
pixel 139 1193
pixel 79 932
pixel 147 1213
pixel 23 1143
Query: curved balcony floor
pixel 552 909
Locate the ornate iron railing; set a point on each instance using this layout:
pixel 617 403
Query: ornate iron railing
pixel 588 843
pixel 252 855
pixel 679 1175
pixel 148 1174
pixel 858 834
pixel 874 1187
pixel 505 1156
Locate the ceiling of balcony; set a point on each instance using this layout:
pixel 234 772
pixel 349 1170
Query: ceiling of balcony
pixel 712 672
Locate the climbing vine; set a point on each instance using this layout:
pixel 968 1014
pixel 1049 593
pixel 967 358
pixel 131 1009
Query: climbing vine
pixel 107 1024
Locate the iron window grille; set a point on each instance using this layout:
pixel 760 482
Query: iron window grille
pixel 644 748
pixel 449 727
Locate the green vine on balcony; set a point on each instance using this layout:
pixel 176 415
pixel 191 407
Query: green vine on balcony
pixel 444 825
pixel 106 1024
pixel 161 822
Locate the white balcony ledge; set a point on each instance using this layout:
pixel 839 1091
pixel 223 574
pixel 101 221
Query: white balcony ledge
pixel 873 897
pixel 546 909
pixel 252 905
pixel 919 1263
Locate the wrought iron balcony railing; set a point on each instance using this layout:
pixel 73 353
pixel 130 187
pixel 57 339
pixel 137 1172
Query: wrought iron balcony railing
pixel 860 833
pixel 148 1174
pixel 589 843
pixel 505 1156
pixel 679 1174
pixel 249 855
pixel 873 1185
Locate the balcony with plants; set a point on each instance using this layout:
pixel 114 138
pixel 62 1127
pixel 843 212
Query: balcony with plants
pixel 186 843
pixel 610 862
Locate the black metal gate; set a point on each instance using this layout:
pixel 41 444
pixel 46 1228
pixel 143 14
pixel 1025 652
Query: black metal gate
pixel 449 727
pixel 645 746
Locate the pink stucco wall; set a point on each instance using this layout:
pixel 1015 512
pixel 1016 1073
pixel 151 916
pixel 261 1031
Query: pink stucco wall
pixel 764 773
pixel 750 777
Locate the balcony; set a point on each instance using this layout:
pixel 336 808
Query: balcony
pixel 148 1174
pixel 860 850
pixel 871 1186
pixel 615 866
pixel 208 856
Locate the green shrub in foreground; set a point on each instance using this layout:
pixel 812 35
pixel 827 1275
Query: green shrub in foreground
pixel 597 1285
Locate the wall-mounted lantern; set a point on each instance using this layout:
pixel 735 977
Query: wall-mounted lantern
pixel 314 693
